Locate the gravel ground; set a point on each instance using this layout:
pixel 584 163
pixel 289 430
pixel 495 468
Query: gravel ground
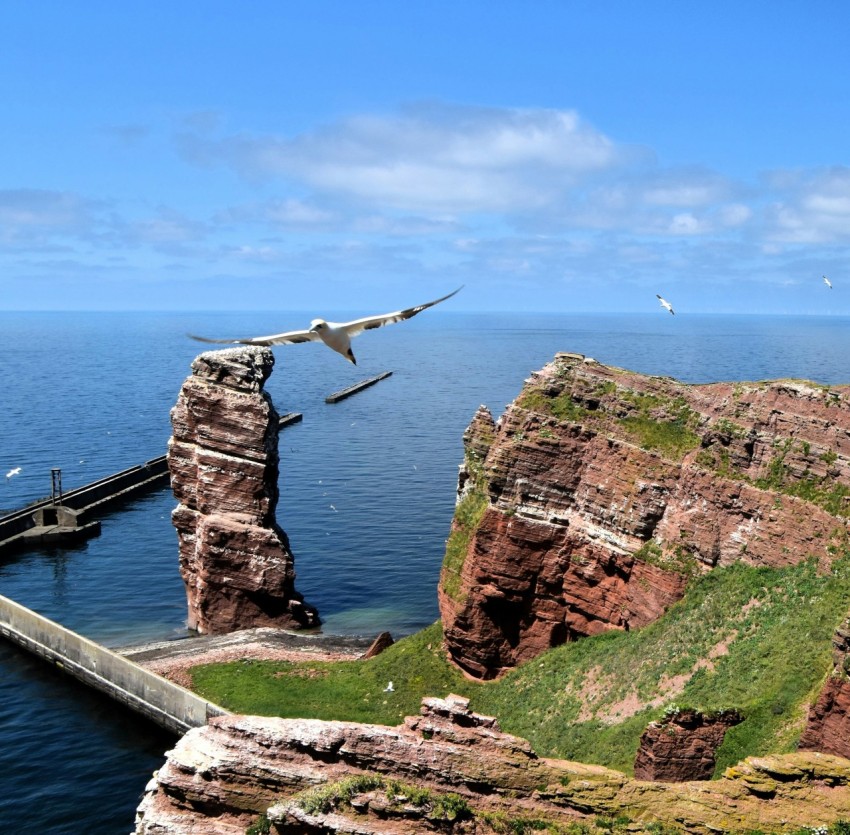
pixel 174 659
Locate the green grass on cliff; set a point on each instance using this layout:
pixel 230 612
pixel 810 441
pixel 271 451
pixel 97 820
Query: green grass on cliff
pixel 756 639
pixel 468 514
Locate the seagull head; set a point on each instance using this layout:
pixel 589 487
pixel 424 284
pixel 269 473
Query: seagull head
pixel 318 325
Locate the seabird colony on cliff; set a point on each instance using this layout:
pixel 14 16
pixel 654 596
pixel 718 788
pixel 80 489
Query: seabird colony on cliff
pixel 336 335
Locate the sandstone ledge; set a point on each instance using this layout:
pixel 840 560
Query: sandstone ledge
pixel 218 779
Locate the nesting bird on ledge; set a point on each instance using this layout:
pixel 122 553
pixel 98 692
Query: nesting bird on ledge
pixel 336 335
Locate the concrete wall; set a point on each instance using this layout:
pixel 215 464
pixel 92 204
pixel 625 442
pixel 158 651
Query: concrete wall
pixel 169 705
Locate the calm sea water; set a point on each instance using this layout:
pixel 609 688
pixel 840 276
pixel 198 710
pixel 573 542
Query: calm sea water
pixel 367 490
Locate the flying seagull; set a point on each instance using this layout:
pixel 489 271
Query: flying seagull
pixel 13 472
pixel 827 282
pixel 389 688
pixel 665 304
pixel 336 335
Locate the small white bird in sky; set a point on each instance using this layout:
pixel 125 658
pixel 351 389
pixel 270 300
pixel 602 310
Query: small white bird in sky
pixel 665 304
pixel 13 472
pixel 827 282
pixel 336 335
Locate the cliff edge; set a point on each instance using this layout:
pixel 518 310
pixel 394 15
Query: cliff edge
pixel 600 492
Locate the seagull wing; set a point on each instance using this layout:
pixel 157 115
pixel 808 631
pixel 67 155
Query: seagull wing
pixel 275 339
pixel 370 322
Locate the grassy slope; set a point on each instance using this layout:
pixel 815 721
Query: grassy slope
pixel 750 638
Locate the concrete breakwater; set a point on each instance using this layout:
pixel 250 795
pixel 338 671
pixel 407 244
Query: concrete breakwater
pixel 168 704
pixel 66 516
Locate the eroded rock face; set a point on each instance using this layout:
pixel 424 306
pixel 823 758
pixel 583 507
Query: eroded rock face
pixel 601 491
pixel 828 725
pixel 223 458
pixel 220 778
pixel 682 746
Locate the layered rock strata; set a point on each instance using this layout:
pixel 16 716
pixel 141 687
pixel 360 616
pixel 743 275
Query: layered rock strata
pixel 451 770
pixel 828 725
pixel 235 559
pixel 683 745
pixel 600 491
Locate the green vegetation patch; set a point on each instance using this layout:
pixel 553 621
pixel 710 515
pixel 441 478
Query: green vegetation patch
pixel 678 559
pixel 348 690
pixel 561 406
pixel 666 425
pixel 754 639
pixel 467 516
pixel 833 496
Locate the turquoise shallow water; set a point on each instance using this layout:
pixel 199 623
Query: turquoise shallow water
pixel 367 490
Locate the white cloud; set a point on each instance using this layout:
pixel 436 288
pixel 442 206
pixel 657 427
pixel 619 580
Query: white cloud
pixel 27 214
pixel 811 207
pixel 685 224
pixel 435 158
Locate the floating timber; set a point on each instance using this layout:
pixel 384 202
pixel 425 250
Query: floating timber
pixel 66 518
pixel 289 418
pixel 347 392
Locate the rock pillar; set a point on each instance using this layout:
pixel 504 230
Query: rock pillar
pixel 683 745
pixel 223 458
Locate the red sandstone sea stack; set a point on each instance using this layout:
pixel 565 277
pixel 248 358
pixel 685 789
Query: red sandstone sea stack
pixel 223 458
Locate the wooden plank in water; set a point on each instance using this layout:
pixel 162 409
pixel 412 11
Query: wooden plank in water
pixel 347 392
pixel 289 418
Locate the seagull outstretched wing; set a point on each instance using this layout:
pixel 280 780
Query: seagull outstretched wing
pixel 370 322
pixel 290 337
pixel 336 335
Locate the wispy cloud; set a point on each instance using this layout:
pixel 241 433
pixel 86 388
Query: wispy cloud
pixel 811 207
pixel 429 158
pixel 32 215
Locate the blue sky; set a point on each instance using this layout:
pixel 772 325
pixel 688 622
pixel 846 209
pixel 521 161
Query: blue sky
pixel 368 155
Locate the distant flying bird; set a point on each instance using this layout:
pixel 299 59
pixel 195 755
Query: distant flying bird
pixel 389 688
pixel 336 335
pixel 13 472
pixel 665 304
pixel 827 282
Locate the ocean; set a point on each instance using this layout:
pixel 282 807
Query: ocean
pixel 367 490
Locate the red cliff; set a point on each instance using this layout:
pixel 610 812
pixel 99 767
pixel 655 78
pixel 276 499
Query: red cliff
pixel 828 725
pixel 223 458
pixel 600 491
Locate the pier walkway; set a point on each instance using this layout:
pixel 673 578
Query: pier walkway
pixel 68 517
pixel 363 384
pixel 168 704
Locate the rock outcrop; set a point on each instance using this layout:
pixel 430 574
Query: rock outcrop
pixel 828 725
pixel 683 745
pixel 451 770
pixel 223 458
pixel 599 492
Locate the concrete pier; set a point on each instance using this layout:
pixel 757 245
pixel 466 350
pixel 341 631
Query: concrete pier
pixel 68 517
pixel 347 392
pixel 289 418
pixel 160 700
